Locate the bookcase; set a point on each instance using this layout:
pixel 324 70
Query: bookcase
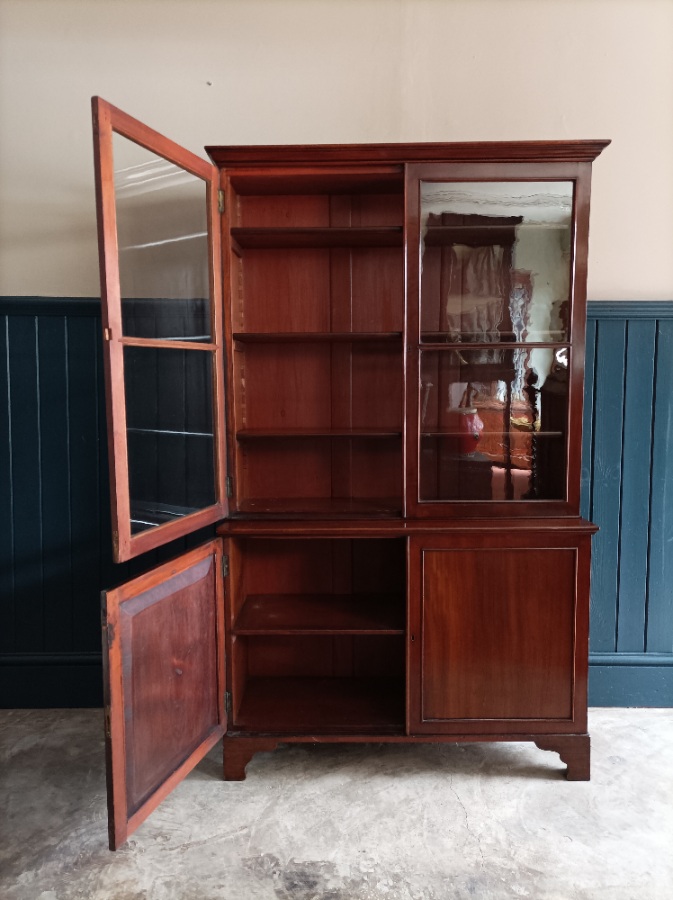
pixel 364 365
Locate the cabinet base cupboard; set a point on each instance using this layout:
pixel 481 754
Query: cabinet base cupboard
pixel 363 366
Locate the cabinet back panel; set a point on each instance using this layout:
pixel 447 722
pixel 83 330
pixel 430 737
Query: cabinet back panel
pixel 322 566
pixel 315 210
pixel 358 289
pixel 376 387
pixel 312 656
pixel 319 468
pixel 284 290
pixel 377 289
pixel 282 211
pixel 283 386
pixel 284 469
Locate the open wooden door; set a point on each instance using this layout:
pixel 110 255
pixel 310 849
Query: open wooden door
pixel 163 657
pixel 161 289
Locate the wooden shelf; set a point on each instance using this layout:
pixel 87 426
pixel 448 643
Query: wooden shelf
pixel 326 705
pixel 440 432
pixel 286 238
pixel 308 337
pixel 321 614
pixel 441 340
pixel 322 507
pixel 355 180
pixel 254 433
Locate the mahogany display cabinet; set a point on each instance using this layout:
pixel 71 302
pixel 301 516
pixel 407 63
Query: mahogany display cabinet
pixel 365 363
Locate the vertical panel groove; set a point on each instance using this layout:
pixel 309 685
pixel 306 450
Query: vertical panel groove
pixel 621 483
pixel 10 511
pixel 594 381
pixel 649 499
pixel 66 357
pixel 40 493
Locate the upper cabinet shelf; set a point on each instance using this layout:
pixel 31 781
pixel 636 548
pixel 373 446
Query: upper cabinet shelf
pixel 306 337
pixel 298 238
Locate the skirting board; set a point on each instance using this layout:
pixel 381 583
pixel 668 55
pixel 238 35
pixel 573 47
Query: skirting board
pixel 34 681
pixel 47 681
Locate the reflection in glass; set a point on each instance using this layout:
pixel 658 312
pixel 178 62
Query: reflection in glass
pixel 495 261
pixel 169 408
pixel 162 231
pixel 493 424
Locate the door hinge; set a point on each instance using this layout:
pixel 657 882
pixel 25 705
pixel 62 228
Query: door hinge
pixel 220 202
pixel 107 334
pixel 227 702
pixel 229 486
pixel 225 566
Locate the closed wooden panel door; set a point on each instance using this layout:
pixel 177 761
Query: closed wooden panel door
pixel 497 634
pixel 164 680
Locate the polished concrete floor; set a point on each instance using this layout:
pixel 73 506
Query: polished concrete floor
pixel 424 822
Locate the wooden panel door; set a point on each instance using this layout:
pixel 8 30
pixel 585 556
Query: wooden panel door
pixel 163 655
pixel 499 636
pixel 161 289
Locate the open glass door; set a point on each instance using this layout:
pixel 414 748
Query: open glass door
pixel 160 261
pixel 163 656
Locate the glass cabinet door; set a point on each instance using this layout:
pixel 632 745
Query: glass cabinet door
pixel 161 285
pixel 491 339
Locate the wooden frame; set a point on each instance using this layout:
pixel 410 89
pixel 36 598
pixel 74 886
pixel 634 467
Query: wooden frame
pixel 107 120
pixel 326 614
pixel 185 595
pixel 580 175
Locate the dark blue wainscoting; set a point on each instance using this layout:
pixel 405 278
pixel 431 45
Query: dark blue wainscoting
pixel 627 489
pixel 55 525
pixel 55 542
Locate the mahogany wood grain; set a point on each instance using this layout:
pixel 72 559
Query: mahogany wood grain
pixel 164 680
pixel 327 705
pixel 497 634
pixel 238 753
pixel 289 238
pixel 253 433
pixel 308 337
pixel 503 649
pixel 529 152
pixel 574 750
pixel 308 507
pixel 552 528
pixel 107 120
pixel 322 613
pixel 302 180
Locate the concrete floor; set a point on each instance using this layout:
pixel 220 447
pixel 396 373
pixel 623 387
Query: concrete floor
pixel 424 822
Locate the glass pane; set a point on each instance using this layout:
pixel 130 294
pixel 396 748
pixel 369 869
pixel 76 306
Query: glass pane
pixel 495 261
pixel 162 231
pixel 493 424
pixel 169 408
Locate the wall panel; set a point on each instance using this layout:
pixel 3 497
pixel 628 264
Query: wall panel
pixel 55 543
pixel 628 492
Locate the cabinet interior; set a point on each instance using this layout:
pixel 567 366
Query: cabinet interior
pixel 317 286
pixel 317 634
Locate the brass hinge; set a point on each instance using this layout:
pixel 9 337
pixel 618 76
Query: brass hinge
pixel 225 565
pixel 227 702
pixel 229 486
pixel 220 202
pixel 107 334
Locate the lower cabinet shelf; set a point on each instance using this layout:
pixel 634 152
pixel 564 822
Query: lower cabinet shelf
pixel 338 705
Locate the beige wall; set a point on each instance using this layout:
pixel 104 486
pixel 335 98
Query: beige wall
pixel 294 71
